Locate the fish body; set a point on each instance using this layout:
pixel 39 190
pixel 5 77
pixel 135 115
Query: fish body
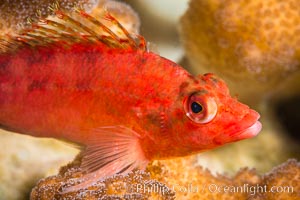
pixel 60 93
pixel 126 105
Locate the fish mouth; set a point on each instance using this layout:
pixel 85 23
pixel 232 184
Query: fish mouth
pixel 250 132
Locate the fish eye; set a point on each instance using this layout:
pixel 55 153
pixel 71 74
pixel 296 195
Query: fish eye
pixel 196 107
pixel 200 108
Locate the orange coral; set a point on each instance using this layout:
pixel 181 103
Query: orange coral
pixel 167 178
pixel 135 185
pixel 252 44
pixel 282 182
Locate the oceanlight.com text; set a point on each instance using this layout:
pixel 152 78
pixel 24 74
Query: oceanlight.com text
pixel 250 189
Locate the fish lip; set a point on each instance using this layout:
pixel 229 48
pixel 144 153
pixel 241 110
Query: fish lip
pixel 251 131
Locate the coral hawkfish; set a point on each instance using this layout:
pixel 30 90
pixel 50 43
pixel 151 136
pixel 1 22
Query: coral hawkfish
pixel 93 83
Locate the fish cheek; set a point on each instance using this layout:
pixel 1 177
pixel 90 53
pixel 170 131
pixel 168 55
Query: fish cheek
pixel 179 121
pixel 198 136
pixel 179 114
pixel 154 120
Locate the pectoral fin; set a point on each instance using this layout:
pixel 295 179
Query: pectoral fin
pixel 111 150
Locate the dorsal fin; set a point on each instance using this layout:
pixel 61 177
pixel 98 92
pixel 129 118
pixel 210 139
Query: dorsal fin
pixel 76 27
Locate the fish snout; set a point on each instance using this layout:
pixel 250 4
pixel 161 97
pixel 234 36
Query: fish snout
pixel 247 127
pixel 252 126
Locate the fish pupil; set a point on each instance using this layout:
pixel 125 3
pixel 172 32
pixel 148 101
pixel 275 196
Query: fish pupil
pixel 196 107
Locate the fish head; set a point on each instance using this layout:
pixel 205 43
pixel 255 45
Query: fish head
pixel 206 116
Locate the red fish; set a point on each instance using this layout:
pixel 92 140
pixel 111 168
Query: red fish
pixel 104 90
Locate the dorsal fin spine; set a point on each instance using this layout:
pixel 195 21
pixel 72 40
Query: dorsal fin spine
pixel 57 25
pixel 99 24
pixel 66 30
pixel 66 18
pixel 116 22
